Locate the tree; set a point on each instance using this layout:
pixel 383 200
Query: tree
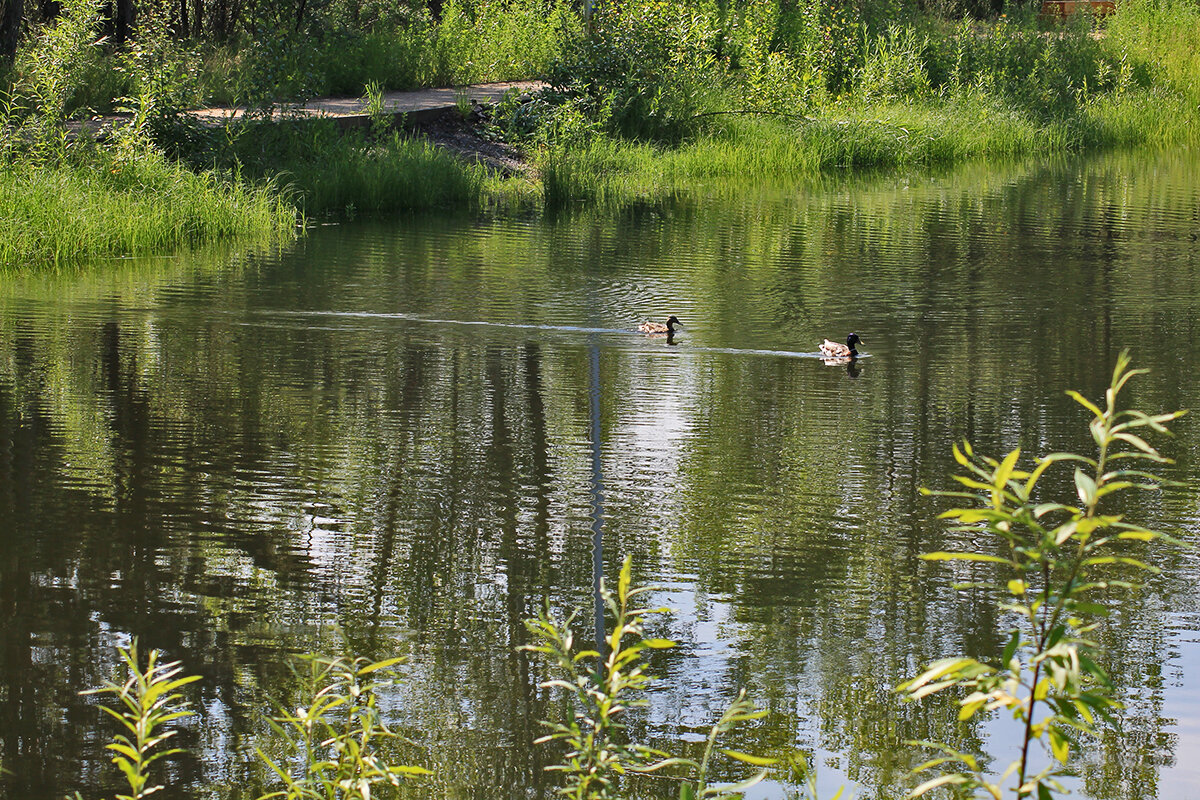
pixel 11 13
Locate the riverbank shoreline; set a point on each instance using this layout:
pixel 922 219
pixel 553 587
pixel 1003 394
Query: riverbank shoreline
pixel 642 107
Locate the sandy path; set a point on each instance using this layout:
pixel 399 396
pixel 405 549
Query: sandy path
pixel 415 106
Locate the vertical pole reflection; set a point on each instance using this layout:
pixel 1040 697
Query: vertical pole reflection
pixel 597 492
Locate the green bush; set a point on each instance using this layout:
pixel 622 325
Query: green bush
pixel 603 685
pixel 1056 565
pixel 645 71
pixel 328 743
pixel 895 67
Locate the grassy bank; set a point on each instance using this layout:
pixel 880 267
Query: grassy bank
pixel 328 172
pixel 654 99
pixel 873 137
pixel 471 42
pixel 920 91
pixel 69 212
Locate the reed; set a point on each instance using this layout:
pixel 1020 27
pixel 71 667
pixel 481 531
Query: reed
pixel 65 213
pixel 607 170
pixel 396 175
pixel 328 172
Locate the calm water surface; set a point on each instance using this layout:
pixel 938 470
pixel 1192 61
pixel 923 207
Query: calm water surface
pixel 379 440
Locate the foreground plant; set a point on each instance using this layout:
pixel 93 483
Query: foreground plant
pixel 603 687
pixel 1057 565
pixel 334 739
pixel 149 699
pixel 336 736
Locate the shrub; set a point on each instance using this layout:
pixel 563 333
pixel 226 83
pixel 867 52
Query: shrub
pixel 1056 563
pixel 603 686
pixel 645 71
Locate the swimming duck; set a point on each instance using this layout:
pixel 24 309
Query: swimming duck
pixel 832 349
pixel 658 327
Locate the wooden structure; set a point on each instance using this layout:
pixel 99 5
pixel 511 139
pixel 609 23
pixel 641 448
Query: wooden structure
pixel 1061 9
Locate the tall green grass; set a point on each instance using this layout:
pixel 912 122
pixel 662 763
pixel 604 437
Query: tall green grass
pixel 344 173
pixel 756 149
pixel 921 92
pixel 398 174
pixel 474 42
pixel 904 90
pixel 69 212
pixel 1165 36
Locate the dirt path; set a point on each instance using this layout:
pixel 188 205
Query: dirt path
pixel 429 113
pixel 421 105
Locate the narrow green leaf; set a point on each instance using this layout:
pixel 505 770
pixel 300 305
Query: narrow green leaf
pixel 378 665
pixel 1003 473
pixel 408 770
pixel 757 761
pixel 958 455
pixel 953 778
pixel 972 483
pixel 1065 531
pixel 736 788
pixel 1083 401
pixel 1010 649
pixel 968 709
pixel 966 557
pixel 659 644
pixel 123 749
pixel 1136 441
pixel 1042 509
pixel 1060 745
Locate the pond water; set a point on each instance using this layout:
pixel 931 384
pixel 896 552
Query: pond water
pixel 379 440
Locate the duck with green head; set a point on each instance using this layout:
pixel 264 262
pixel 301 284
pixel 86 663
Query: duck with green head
pixel 832 349
pixel 658 327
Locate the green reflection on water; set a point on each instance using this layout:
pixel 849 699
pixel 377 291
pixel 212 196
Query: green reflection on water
pixel 242 456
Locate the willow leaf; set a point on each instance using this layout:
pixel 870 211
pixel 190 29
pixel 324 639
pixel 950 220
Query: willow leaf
pixel 945 556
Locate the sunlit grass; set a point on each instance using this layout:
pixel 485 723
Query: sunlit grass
pixel 1163 34
pixel 930 95
pixel 66 213
pixel 346 174
pixel 878 137
pixel 483 41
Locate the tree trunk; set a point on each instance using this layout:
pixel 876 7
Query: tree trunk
pixel 183 32
pixel 11 14
pixel 220 21
pixel 198 19
pixel 122 20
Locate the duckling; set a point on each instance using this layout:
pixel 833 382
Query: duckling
pixel 832 349
pixel 658 327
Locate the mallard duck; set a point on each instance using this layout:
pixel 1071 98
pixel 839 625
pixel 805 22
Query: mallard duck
pixel 832 349
pixel 658 327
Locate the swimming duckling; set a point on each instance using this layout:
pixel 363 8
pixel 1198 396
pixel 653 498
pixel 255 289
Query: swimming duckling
pixel 658 327
pixel 832 349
